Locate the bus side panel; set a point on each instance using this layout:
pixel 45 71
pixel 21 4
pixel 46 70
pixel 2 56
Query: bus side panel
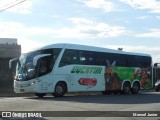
pixel 134 73
pixel 81 77
pixel 87 83
pixel 44 84
pixel 87 78
pixel 144 75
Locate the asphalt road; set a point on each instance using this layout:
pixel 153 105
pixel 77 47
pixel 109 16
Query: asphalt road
pixel 145 101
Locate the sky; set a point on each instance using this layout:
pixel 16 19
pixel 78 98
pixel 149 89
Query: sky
pixel 133 25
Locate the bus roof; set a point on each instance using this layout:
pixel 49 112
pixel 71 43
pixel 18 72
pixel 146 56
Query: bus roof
pixel 89 48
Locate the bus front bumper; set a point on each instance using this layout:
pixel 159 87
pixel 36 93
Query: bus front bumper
pixel 21 87
pixel 29 89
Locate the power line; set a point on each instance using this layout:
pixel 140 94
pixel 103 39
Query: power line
pixel 12 5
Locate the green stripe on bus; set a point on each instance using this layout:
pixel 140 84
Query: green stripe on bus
pixel 86 70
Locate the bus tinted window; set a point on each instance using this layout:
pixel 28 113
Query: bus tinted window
pixel 83 57
pixel 69 57
pixel 138 61
pixel 120 59
pixel 46 63
pixel 91 58
pixel 100 58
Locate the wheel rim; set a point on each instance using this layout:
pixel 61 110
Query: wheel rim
pixel 136 88
pixel 59 89
pixel 126 89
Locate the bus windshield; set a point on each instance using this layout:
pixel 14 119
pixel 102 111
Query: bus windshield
pixel 25 69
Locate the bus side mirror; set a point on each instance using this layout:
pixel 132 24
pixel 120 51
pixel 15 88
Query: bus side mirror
pixel 36 58
pixel 156 64
pixel 10 62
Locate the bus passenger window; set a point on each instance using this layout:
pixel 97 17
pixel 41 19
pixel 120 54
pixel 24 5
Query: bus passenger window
pixel 69 57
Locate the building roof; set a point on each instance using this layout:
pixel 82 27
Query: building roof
pixel 8 41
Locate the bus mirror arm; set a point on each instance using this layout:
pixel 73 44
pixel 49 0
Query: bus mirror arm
pixel 10 62
pixel 36 58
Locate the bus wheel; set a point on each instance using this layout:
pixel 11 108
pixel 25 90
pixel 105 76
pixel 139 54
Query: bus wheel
pixel 40 94
pixel 135 89
pixel 60 89
pixel 126 88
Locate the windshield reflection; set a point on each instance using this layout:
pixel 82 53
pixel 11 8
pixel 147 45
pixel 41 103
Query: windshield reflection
pixel 25 69
pixel 20 67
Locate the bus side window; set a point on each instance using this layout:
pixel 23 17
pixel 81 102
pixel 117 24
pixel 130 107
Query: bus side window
pixel 101 58
pixel 121 60
pixel 69 57
pixel 82 58
pixel 138 61
pixel 43 67
pixel 87 57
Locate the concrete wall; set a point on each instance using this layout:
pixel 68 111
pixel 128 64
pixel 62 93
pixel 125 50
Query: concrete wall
pixel 6 76
pixel 8 51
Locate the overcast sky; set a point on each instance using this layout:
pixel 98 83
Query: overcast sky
pixel 133 25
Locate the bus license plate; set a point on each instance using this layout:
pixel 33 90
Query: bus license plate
pixel 21 90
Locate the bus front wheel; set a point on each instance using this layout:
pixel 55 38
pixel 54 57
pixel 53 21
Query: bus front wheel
pixel 60 89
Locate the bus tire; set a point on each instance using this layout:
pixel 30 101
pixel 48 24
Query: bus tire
pixel 126 88
pixel 135 89
pixel 40 94
pixel 60 89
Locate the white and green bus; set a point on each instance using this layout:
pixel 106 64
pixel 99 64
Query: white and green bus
pixel 61 68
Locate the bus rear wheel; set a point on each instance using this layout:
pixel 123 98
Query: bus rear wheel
pixel 126 88
pixel 135 89
pixel 60 89
pixel 40 94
